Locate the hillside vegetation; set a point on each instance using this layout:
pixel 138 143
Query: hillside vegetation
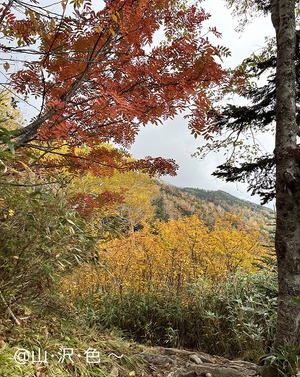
pixel 90 257
pixel 175 202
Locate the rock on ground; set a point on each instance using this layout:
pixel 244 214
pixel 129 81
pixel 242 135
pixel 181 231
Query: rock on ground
pixel 171 362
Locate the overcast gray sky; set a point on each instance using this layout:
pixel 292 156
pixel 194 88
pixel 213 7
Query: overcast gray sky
pixel 173 140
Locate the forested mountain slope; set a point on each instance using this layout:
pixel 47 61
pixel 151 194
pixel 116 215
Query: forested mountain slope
pixel 174 202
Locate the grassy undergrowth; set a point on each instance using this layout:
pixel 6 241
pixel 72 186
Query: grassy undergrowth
pixel 101 352
pixel 234 318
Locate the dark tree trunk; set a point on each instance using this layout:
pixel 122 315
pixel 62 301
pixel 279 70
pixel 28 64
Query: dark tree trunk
pixel 287 239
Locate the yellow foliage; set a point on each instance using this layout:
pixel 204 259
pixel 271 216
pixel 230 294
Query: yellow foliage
pixel 235 245
pixel 10 116
pixel 167 256
pixel 138 190
pixel 82 282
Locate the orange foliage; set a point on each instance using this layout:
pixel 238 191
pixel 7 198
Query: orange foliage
pixel 100 78
pixel 86 204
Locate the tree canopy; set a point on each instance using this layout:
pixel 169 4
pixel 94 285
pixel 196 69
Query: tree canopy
pixel 98 74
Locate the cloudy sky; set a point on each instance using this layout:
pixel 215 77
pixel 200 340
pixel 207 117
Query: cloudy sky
pixel 172 140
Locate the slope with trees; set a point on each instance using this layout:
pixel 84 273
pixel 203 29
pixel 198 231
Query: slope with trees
pixel 174 202
pixel 98 78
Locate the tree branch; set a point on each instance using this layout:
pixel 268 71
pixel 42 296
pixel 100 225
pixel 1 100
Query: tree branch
pixel 14 318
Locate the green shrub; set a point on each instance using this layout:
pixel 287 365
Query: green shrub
pixel 234 318
pixel 285 360
pixel 41 238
